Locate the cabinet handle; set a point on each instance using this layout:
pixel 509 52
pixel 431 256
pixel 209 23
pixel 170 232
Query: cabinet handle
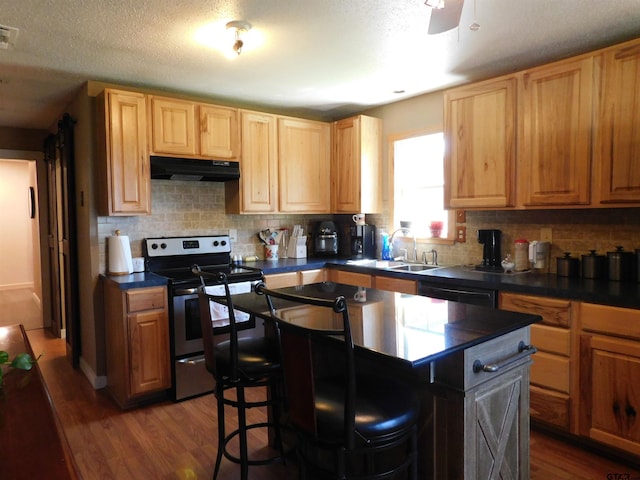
pixel 524 350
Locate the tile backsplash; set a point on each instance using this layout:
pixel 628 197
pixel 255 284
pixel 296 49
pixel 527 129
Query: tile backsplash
pixel 198 208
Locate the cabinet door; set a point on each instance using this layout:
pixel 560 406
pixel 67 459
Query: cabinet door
pixel 555 134
pixel 395 284
pixel 124 125
pixel 480 144
pixel 259 166
pixel 611 395
pixel 617 143
pixel 304 166
pixel 218 132
pixel 173 129
pixel 149 351
pixel 356 168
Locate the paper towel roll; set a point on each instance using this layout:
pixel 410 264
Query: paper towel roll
pixel 120 262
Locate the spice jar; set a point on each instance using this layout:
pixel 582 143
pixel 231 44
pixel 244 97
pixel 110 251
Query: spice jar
pixel 521 255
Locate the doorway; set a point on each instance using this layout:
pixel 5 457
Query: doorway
pixel 20 272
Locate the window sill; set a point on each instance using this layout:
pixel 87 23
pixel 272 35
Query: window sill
pixel 436 241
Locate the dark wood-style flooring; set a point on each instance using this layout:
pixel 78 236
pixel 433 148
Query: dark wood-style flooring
pixel 178 440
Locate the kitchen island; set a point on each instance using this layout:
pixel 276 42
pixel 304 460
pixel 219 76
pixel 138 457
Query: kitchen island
pixel 469 363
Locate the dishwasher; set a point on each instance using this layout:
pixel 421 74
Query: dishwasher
pixel 456 293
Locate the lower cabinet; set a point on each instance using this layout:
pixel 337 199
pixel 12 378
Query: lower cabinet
pixel 554 378
pixel 350 278
pixel 137 343
pixel 293 279
pixel 610 369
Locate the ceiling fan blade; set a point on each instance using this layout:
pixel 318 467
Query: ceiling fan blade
pixel 444 19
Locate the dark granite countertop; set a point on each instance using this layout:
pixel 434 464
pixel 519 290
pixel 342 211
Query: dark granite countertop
pixel 137 280
pixel 620 294
pixel 409 329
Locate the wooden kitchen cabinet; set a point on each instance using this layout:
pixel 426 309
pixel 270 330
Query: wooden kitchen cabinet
pixel 555 133
pixel 617 136
pixel 480 144
pixel 303 166
pixel 137 343
pixel 350 278
pixel 356 168
pixel 610 368
pixel 294 279
pixel 554 374
pixel 256 191
pixel 191 129
pixel 123 160
pixel 395 284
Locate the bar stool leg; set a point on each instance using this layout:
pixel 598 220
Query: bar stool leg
pixel 221 430
pixel 242 429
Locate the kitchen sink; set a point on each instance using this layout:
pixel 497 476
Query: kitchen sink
pixel 393 265
pixel 414 267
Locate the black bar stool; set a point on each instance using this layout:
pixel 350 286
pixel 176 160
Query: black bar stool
pixel 239 364
pixel 351 424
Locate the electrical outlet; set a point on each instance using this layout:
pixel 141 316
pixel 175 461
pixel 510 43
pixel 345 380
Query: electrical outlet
pixel 461 217
pixel 461 234
pixel 546 235
pixel 233 235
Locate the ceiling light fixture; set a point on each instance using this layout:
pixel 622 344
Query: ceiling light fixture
pixel 238 27
pixel 434 3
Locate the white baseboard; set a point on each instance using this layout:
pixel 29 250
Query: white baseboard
pixel 16 286
pixel 96 381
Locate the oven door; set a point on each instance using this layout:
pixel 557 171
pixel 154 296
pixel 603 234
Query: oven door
pixel 187 330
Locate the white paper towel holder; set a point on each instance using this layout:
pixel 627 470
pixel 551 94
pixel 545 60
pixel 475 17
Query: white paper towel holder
pixel 120 261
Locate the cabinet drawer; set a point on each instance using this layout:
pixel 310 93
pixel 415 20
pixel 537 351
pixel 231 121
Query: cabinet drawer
pixel 350 278
pixel 396 285
pixel 281 280
pixel 312 276
pixel 553 311
pixel 612 320
pixel 139 299
pixel 549 407
pixel 551 371
pixel 551 339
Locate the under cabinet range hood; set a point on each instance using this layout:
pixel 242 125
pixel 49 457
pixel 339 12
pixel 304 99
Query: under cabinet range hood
pixel 170 168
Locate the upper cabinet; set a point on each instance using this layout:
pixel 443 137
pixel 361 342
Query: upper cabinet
pixel 194 130
pixel 569 132
pixel 617 137
pixel 480 135
pixel 304 166
pixel 356 165
pixel 257 189
pixel 555 134
pixel 122 153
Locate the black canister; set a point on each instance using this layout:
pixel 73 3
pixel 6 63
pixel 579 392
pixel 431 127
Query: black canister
pixel 568 266
pixel 620 265
pixel 593 265
pixel 638 264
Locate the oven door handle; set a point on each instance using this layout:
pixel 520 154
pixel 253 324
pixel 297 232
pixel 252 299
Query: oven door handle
pixel 192 361
pixel 186 291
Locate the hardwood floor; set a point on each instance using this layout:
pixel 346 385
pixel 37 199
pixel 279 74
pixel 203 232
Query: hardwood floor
pixel 178 440
pixel 19 305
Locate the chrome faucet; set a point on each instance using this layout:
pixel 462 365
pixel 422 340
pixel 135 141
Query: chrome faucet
pixel 405 231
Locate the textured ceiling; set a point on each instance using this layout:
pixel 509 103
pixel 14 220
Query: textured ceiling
pixel 322 58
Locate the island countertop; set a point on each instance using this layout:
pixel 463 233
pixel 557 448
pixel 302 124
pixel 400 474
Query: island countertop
pixel 411 329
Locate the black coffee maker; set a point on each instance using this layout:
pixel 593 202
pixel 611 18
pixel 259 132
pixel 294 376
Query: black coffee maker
pixel 491 256
pixel 325 239
pixel 362 241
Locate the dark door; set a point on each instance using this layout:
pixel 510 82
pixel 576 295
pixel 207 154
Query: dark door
pixel 62 235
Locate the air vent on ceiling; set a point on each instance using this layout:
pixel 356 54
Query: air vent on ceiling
pixel 8 36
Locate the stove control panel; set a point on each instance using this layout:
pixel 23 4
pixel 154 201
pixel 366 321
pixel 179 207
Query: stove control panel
pixel 170 246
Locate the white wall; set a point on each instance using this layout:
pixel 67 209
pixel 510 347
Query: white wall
pixel 16 227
